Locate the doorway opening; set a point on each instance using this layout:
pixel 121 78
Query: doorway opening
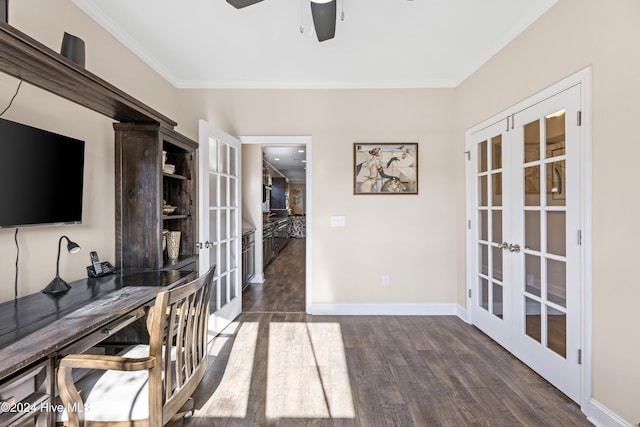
pixel 258 210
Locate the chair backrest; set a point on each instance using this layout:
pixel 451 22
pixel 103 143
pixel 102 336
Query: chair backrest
pixel 178 330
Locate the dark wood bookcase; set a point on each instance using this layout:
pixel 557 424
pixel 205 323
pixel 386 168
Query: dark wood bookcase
pixel 141 189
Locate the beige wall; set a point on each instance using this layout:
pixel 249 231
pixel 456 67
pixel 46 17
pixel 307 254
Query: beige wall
pixel 403 236
pixel 575 34
pixel 415 239
pixel 46 21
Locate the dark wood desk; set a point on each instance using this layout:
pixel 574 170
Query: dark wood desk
pixel 36 328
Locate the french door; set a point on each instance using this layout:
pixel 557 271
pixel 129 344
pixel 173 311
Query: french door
pixel 525 236
pixel 220 222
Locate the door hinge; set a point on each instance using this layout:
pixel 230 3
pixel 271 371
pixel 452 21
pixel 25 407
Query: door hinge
pixel 469 224
pixel 469 293
pixel 507 123
pixel 579 237
pixel 579 118
pixel 468 153
pixel 579 356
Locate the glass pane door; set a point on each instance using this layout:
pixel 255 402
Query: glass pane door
pixel 546 262
pixel 220 234
pixel 490 293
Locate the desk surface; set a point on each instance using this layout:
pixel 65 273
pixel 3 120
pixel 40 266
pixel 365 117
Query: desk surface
pixel 38 325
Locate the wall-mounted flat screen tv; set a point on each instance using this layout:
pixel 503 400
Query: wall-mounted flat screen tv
pixel 41 176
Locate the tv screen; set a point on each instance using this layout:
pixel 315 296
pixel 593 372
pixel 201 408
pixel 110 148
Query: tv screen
pixel 41 176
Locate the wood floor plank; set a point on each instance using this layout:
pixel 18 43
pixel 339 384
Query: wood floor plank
pixel 277 366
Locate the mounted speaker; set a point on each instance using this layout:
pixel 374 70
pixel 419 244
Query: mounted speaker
pixel 324 18
pixel 73 48
pixel 239 4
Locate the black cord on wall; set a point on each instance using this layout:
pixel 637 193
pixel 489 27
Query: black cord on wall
pixel 15 286
pixel 15 237
pixel 12 98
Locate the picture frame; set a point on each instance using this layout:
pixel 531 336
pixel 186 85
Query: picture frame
pixel 385 168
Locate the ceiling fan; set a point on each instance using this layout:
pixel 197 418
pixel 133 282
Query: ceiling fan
pixel 322 11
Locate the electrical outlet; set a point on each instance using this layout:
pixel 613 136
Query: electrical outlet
pixel 386 280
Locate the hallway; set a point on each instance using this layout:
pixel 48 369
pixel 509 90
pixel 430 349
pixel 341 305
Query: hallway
pixel 277 366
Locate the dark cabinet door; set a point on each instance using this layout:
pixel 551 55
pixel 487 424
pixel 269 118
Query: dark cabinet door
pixel 278 193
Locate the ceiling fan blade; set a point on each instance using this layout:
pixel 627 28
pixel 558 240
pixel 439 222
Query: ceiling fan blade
pixel 239 4
pixel 324 19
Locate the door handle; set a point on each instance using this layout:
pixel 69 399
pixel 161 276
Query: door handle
pixel 514 248
pixel 504 245
pixel 206 245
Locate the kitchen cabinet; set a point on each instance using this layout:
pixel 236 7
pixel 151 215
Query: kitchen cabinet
pixel 248 258
pixel 268 243
pixel 281 234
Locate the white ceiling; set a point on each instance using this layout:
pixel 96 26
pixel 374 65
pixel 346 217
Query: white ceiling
pixel 380 43
pixel 289 160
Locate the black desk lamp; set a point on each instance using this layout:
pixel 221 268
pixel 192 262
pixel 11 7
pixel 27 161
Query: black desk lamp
pixel 57 285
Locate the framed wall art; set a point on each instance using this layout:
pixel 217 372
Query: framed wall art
pixel 385 168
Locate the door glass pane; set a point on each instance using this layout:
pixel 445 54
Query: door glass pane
pixel 532 230
pixel 223 291
pixel 556 184
pixel 233 292
pixel 483 262
pixel 557 282
pixel 213 155
pixel 232 254
pixel 483 232
pixel 224 158
pixel 223 224
pixel 557 331
pixel 213 298
pixel 482 156
pixel 233 159
pixel 497 262
pixel 233 226
pixel 223 266
pixel 532 319
pixel 532 142
pixel 532 274
pixel 224 183
pixel 497 300
pixel 556 233
pixel 555 144
pixel 496 152
pixel 213 226
pixel 496 226
pixel 484 293
pixel 213 190
pixel 496 195
pixel 532 186
pixel 483 195
pixel 233 192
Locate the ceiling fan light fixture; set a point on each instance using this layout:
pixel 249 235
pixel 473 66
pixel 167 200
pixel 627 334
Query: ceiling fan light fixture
pixel 239 4
pixel 324 18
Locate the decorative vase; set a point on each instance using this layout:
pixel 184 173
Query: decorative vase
pixel 173 244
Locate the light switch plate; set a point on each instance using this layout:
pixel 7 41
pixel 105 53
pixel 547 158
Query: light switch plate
pixel 338 221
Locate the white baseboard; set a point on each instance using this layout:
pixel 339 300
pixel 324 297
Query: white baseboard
pixel 602 416
pixel 258 278
pixel 407 309
pixel 462 313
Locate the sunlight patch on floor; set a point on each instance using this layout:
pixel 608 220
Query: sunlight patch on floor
pixel 307 372
pixel 231 397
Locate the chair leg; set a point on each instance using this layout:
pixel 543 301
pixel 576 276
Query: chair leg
pixel 185 412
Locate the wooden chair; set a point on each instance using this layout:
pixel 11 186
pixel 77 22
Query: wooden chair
pixel 146 385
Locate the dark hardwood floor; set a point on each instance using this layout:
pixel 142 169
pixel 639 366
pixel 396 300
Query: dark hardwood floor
pixel 277 366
